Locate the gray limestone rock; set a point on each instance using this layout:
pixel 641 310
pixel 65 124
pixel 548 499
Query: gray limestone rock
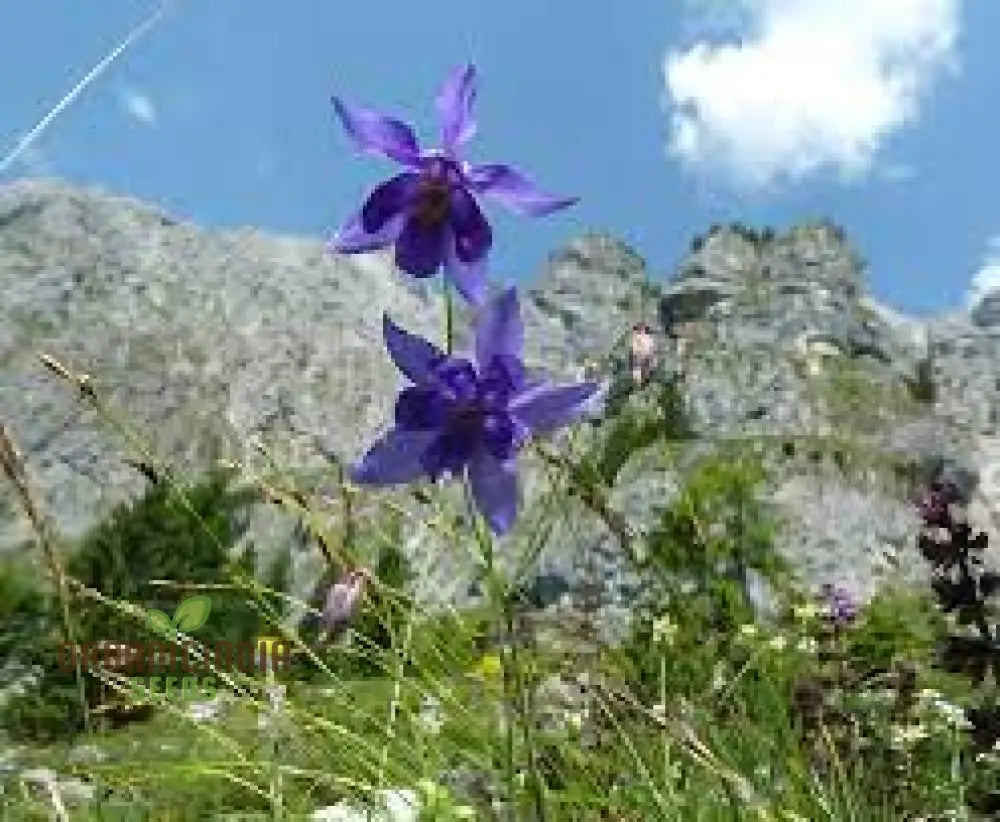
pixel 209 344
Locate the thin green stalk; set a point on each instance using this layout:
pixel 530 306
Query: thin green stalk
pixel 497 595
pixel 526 717
pixel 273 727
pixel 13 466
pixel 449 320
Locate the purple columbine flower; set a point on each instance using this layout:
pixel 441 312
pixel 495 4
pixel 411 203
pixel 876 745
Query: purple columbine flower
pixel 430 212
pixel 469 415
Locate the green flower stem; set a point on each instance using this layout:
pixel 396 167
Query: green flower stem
pixel 498 597
pixel 667 775
pixel 449 320
pixel 525 713
pixel 277 804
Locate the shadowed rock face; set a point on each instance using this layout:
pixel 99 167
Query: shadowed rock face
pixel 205 341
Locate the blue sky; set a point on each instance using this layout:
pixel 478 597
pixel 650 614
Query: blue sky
pixel 664 116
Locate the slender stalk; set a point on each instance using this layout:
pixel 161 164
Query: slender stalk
pixel 12 465
pixel 497 596
pixel 449 319
pixel 509 660
pixel 526 716
pixel 273 720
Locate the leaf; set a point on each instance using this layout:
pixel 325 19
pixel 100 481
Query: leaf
pixel 159 622
pixel 192 613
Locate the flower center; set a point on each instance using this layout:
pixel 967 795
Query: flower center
pixel 467 417
pixel 434 198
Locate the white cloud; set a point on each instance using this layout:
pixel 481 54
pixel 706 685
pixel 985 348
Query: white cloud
pixel 987 278
pixel 139 106
pixel 812 84
pixel 897 173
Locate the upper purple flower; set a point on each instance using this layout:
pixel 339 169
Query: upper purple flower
pixel 430 212
pixel 469 415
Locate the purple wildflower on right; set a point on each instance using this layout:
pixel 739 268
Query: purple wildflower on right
pixel 840 605
pixel 469 415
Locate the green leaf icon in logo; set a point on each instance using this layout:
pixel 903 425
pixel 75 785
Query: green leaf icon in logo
pixel 192 613
pixel 159 622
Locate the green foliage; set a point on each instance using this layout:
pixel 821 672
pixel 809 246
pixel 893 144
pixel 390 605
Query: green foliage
pixel 716 521
pixel 29 644
pixel 897 625
pixel 386 610
pixel 186 538
pixel 704 543
pixel 183 538
pixel 656 414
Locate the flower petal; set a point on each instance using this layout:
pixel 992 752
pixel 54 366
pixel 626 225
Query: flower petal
pixel 514 190
pixel 494 489
pixel 456 377
pixel 412 355
pixel 353 239
pixel 375 133
pixel 389 200
pixel 420 249
pixel 450 453
pixel 395 459
pixel 420 409
pixel 468 278
pixel 473 236
pixel 499 330
pixel 454 106
pixel 547 407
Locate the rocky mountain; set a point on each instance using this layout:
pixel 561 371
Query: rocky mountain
pixel 206 344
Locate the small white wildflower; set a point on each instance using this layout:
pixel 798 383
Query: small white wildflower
pixel 807 645
pixel 884 696
pixel 430 720
pixel 719 676
pixel 276 696
pixel 748 630
pixel 664 630
pixel 952 714
pixel 805 612
pixel 575 719
pixel 777 643
pixel 659 711
pixel 204 711
pixel 717 529
pixel 904 736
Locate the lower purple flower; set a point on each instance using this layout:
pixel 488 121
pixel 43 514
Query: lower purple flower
pixel 469 417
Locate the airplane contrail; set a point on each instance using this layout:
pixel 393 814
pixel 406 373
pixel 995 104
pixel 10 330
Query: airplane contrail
pixel 132 37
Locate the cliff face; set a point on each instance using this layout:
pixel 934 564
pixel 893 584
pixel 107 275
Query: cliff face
pixel 205 342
